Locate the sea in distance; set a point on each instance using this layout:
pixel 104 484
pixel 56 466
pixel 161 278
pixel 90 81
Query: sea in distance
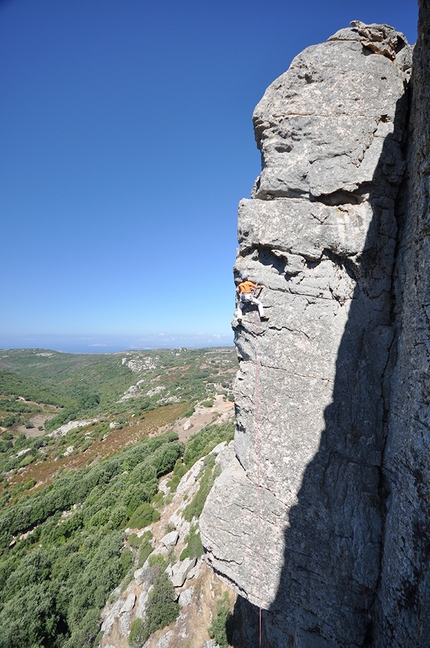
pixel 113 343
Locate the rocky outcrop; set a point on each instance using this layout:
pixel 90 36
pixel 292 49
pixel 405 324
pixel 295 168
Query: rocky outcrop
pixel 403 605
pixel 197 588
pixel 296 521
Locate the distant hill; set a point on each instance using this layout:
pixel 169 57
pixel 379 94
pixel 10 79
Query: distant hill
pixel 15 384
pixel 133 381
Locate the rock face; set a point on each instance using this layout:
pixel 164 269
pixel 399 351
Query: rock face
pixel 403 606
pixel 296 521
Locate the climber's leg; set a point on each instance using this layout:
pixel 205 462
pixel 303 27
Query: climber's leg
pixel 238 312
pixel 259 305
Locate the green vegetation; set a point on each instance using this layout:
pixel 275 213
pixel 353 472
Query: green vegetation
pixel 137 633
pixel 103 488
pixel 161 610
pixel 222 625
pixel 67 551
pixel 17 384
pixel 87 385
pixel 146 548
pixel 14 411
pixel 202 443
pixel 66 500
pixel 143 516
pixel 194 547
pixel 195 507
pixel 85 402
pixel 54 594
pixel 178 472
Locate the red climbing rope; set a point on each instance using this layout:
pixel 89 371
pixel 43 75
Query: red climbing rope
pixel 258 453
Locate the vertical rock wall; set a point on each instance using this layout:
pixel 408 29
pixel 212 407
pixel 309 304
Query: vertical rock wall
pixel 403 610
pixel 295 521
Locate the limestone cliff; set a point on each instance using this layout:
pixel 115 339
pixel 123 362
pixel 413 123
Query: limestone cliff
pixel 297 521
pixel 403 605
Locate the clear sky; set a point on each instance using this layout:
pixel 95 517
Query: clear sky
pixel 126 143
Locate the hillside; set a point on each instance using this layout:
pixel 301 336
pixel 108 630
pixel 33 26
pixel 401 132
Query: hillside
pixel 85 441
pixel 115 398
pixel 103 383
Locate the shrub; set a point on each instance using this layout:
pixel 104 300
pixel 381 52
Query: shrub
pixel 100 518
pixel 98 639
pixel 158 561
pixel 136 494
pixel 194 547
pixel 221 628
pixel 29 483
pixel 136 636
pixel 158 499
pixel 21 441
pixel 143 472
pixel 126 560
pixel 87 631
pixel 162 608
pixel 209 461
pixel 118 517
pixel 9 420
pixel 178 472
pixel 143 516
pixel 5 446
pixel 146 548
pixel 203 442
pixel 189 412
pixel 195 507
pixel 28 459
pixel 134 540
pixel 165 458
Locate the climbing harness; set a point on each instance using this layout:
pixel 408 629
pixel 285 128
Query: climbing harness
pixel 255 292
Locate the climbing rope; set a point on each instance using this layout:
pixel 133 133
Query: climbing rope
pixel 258 453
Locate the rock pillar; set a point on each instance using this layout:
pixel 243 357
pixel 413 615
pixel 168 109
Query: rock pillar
pixel 295 522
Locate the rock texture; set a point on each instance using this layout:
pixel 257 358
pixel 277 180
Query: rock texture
pixel 296 521
pixel 403 606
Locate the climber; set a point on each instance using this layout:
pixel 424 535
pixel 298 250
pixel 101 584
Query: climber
pixel 245 292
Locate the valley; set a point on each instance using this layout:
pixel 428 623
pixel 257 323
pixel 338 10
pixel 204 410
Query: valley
pixel 102 457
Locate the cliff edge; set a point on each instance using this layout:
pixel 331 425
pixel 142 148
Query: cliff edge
pixel 296 523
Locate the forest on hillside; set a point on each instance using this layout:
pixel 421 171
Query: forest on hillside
pixel 73 497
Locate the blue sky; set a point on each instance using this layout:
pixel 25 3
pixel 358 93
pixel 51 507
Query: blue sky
pixel 126 143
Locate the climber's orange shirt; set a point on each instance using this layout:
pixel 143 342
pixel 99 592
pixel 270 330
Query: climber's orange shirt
pixel 246 286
